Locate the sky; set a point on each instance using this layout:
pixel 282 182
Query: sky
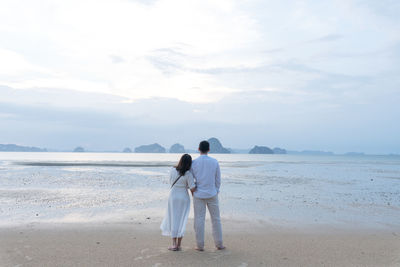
pixel 315 75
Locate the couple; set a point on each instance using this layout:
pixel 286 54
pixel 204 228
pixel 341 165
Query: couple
pixel 205 170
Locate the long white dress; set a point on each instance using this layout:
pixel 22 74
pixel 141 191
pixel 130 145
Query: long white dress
pixel 174 222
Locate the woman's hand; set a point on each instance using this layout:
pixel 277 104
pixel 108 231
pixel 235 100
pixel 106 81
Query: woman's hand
pixel 193 189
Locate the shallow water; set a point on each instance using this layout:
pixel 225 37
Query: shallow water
pixel 350 191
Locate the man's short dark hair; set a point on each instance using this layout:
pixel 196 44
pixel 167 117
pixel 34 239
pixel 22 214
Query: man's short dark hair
pixel 204 146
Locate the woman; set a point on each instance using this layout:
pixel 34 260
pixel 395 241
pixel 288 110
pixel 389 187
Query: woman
pixel 174 223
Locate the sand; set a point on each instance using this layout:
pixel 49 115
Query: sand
pixel 248 244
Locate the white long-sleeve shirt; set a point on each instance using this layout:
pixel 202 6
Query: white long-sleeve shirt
pixel 206 171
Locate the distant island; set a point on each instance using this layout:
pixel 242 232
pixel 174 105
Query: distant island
pixel 153 148
pixel 177 148
pixel 17 148
pixel 216 146
pixel 278 150
pixel 79 149
pixel 127 150
pixel 261 150
pixel 266 150
pixel 240 150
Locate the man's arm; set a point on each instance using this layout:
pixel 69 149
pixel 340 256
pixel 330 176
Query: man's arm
pixel 192 172
pixel 218 178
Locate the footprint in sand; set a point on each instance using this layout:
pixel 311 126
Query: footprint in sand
pixel 144 256
pixel 144 250
pixel 152 255
pixel 222 254
pixel 17 251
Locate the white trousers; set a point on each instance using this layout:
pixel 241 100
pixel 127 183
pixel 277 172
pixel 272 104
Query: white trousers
pixel 199 205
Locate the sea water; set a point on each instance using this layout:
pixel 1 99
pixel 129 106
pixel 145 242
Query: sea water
pixel 350 191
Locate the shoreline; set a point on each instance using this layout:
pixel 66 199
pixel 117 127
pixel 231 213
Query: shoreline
pixel 140 243
pixel 233 226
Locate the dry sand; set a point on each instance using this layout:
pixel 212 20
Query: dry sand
pixel 248 244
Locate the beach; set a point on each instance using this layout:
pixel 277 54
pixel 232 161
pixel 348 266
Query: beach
pixel 278 119
pixel 248 244
pixel 105 209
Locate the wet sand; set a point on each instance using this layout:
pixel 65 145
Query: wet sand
pixel 248 244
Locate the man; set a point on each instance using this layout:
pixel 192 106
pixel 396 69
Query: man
pixel 206 171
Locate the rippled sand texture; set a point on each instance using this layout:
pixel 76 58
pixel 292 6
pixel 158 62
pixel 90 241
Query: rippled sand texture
pixel 248 244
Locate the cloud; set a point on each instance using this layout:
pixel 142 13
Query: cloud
pixel 328 38
pixel 307 119
pixel 228 63
pixel 386 9
pixel 144 2
pixel 273 50
pixel 13 65
pixel 167 60
pixel 116 59
pixel 78 51
pixel 160 50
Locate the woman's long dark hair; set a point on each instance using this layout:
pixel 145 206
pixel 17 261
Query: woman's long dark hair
pixel 185 163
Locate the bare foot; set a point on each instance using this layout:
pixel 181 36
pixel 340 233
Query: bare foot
pixel 173 248
pixel 199 249
pixel 221 248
